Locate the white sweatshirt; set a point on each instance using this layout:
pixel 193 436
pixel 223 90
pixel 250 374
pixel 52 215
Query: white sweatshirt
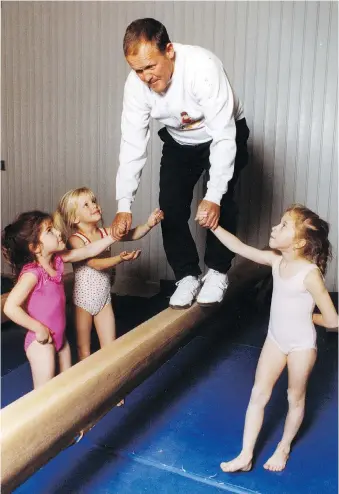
pixel 198 106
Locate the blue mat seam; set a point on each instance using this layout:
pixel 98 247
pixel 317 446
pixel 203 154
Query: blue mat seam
pixel 182 472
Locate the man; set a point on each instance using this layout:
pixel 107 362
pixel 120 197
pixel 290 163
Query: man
pixel 186 89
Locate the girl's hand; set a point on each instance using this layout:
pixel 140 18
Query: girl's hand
pixel 318 319
pixel 208 214
pixel 155 218
pixel 43 335
pixel 130 256
pixel 328 317
pixel 201 216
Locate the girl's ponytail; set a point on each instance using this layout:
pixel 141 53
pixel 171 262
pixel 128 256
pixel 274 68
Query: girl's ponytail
pixel 19 237
pixel 314 231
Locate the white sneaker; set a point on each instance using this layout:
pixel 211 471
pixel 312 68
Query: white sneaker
pixel 214 288
pixel 185 294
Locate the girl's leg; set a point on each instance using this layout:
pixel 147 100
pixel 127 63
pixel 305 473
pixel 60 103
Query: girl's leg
pixel 271 364
pixel 105 325
pixel 64 355
pixel 42 362
pixel 83 324
pixel 300 364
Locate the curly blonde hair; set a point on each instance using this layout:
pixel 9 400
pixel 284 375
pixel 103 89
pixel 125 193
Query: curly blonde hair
pixel 314 230
pixel 66 212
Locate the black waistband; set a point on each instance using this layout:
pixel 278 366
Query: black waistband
pixel 242 133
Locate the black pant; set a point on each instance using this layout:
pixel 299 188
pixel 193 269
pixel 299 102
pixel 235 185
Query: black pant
pixel 181 168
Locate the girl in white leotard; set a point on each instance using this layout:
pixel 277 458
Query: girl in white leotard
pixel 80 214
pixel 300 251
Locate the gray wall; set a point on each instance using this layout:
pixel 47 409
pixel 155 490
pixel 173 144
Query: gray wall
pixel 63 73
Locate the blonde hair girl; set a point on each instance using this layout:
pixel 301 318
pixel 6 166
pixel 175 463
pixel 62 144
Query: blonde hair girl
pixel 79 215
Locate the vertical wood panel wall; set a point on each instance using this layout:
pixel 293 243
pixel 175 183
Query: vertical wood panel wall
pixel 63 73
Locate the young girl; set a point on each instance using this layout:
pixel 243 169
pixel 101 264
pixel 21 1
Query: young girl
pixel 298 259
pixel 79 213
pixel 36 252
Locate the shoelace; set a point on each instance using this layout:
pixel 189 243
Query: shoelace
pixel 185 281
pixel 214 279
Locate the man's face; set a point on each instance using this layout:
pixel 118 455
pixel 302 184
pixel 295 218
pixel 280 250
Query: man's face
pixel 153 67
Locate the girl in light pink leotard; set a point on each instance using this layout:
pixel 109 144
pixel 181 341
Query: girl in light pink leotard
pixel 300 249
pixel 36 252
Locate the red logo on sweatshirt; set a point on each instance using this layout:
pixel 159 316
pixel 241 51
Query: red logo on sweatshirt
pixel 188 122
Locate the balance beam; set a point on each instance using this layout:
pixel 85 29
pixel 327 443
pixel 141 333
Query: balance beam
pixel 36 427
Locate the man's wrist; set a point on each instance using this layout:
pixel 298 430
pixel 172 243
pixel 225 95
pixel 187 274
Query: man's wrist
pixel 124 205
pixel 213 195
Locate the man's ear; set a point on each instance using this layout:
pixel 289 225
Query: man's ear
pixel 170 53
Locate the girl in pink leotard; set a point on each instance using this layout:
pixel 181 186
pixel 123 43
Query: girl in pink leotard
pixel 36 253
pixel 300 249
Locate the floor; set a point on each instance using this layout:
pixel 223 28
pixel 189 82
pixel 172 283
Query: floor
pixel 178 425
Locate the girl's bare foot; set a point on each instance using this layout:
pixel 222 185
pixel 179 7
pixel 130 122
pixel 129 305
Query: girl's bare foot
pixel 242 463
pixel 278 460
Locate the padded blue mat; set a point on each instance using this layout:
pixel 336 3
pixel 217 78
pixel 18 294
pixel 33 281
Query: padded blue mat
pixel 185 419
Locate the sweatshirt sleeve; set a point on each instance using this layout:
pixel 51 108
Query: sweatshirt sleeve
pixel 214 93
pixel 135 135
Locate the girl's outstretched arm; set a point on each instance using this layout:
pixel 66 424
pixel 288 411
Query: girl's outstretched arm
pixel 140 231
pixel 328 316
pixel 235 245
pixel 102 263
pixel 14 311
pixel 91 250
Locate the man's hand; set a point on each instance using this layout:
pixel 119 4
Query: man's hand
pixel 208 214
pixel 121 225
